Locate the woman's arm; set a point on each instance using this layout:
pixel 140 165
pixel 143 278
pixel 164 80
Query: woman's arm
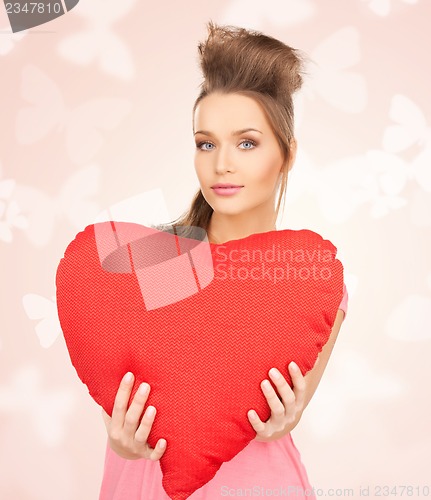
pixel 286 411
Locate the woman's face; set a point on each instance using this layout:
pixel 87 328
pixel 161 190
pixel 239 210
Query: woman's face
pixel 227 154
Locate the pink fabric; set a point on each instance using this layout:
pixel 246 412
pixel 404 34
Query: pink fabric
pixel 344 301
pixel 260 469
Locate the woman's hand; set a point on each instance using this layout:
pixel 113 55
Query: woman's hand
pixel 126 437
pixel 286 409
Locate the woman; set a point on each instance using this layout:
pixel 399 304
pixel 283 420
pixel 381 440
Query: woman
pixel 244 132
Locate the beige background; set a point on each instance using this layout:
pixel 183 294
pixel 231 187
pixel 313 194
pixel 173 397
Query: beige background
pixel 96 109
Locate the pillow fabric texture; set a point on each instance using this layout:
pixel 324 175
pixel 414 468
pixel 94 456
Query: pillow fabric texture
pixel 202 323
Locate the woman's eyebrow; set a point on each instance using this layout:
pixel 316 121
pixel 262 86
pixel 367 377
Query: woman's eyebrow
pixel 237 132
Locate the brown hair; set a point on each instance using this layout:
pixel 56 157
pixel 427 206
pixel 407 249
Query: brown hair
pixel 247 62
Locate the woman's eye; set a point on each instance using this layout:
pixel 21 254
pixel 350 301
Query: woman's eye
pixel 249 142
pixel 199 146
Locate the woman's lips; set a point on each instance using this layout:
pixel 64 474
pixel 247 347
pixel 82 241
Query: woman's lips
pixel 227 191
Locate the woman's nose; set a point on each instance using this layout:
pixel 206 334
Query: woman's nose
pixel 223 162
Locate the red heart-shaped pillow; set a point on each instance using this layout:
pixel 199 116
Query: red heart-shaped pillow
pixel 201 323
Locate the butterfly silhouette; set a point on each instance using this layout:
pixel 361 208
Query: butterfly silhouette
pixel 277 12
pixel 331 75
pixel 73 202
pixel 9 41
pixel 410 128
pixel 99 44
pixel 48 112
pixel 45 310
pixel 10 212
pixel 383 7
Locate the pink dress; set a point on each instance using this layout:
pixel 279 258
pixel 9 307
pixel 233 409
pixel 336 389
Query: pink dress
pixel 261 469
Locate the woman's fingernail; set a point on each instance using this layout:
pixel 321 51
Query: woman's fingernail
pixel 162 443
pixel 128 377
pixel 293 365
pixel 266 384
pixel 274 373
pixel 143 388
pixel 150 411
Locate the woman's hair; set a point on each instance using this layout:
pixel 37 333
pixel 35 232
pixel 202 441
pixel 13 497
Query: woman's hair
pixel 249 63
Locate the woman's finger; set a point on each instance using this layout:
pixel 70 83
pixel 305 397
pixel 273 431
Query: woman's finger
pixel 158 451
pixel 277 407
pixel 299 384
pixel 121 401
pixel 256 422
pixel 143 431
pixel 286 393
pixel 135 410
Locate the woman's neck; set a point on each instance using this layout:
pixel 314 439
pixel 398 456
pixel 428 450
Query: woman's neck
pixel 225 228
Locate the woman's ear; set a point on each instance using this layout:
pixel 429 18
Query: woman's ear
pixel 293 146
